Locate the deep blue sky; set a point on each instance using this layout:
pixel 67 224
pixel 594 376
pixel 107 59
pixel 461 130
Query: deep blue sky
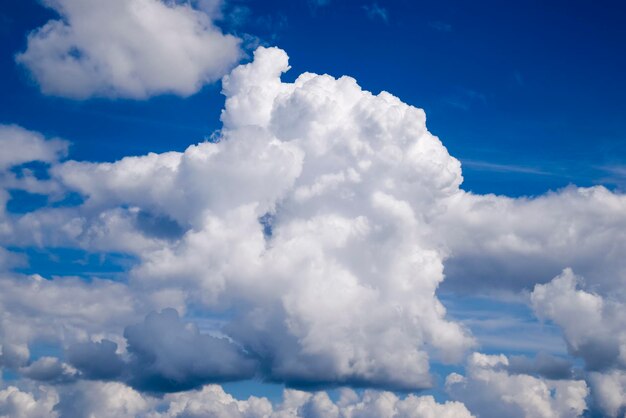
pixel 529 94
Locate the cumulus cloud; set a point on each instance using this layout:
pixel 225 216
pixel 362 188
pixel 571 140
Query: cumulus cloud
pixel 96 359
pixel 346 176
pixel 21 146
pixel 132 49
pixel 213 401
pixel 543 364
pixel 49 369
pixel 490 390
pixel 113 399
pixel 593 328
pixel 168 355
pixel 101 400
pixel 60 312
pixel 16 403
pixel 317 228
pixel 496 243
pixel 609 390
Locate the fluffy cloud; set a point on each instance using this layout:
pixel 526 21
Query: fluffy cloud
pixel 609 390
pixel 168 355
pixel 59 312
pixel 349 176
pixel 490 390
pixel 15 403
pixel 21 146
pixel 496 243
pixel 132 49
pixel 101 400
pixel 316 228
pixel 112 399
pixel 213 401
pixel 593 328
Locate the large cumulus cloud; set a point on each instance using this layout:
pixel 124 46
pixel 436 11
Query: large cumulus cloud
pixel 354 177
pixel 132 49
pixel 317 228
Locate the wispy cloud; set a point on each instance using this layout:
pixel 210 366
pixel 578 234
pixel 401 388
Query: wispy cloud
pixel 440 26
pixel 463 98
pixel 613 174
pixel 504 168
pixel 374 11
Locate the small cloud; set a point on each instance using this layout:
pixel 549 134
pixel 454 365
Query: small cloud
pixel 374 11
pixel 517 76
pixel 440 26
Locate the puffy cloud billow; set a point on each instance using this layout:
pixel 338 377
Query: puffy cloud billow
pixel 314 233
pixel 491 390
pixel 130 49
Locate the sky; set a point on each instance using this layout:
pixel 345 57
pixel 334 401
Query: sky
pixel 312 208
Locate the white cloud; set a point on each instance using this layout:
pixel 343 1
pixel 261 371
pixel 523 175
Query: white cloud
pixel 609 390
pixel 497 243
pixel 489 390
pixel 21 146
pixel 59 311
pixel 337 286
pixel 15 403
pixel 102 400
pixel 112 399
pixel 593 328
pixel 132 49
pixel 347 176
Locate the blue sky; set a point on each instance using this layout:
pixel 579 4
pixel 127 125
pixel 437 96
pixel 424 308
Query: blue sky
pixel 279 230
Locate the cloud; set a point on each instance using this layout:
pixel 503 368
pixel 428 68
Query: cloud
pixel 440 26
pixel 96 360
pixel 501 244
pixel 49 369
pixel 317 227
pixel 374 11
pixel 59 312
pixel 490 390
pixel 145 48
pixel 112 399
pixel 102 400
pixel 346 176
pixel 591 325
pixel 594 331
pixel 20 404
pixel 21 146
pixel 609 389
pixel 543 364
pixel 168 355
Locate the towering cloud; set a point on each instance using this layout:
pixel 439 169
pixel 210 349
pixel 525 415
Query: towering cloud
pixel 132 49
pixel 343 176
pixel 312 235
